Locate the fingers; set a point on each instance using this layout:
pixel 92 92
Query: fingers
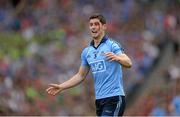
pixel 111 59
pixel 110 56
pixel 55 92
pixel 48 89
pixel 52 91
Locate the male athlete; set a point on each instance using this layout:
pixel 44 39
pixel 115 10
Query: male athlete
pixel 105 58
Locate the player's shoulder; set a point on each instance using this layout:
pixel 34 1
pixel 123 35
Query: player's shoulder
pixel 113 42
pixel 86 49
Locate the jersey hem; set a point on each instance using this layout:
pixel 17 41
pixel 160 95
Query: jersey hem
pixel 110 95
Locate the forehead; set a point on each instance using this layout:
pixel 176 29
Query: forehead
pixel 94 20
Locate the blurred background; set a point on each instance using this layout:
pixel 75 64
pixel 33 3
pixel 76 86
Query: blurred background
pixel 41 42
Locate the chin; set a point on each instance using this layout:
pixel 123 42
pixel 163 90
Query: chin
pixel 95 36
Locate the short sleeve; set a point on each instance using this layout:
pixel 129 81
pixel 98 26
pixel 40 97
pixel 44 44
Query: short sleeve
pixel 84 58
pixel 117 48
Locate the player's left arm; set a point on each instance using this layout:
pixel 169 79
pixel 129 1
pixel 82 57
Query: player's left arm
pixel 122 58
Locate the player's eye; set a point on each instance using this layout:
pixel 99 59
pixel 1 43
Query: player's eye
pixel 96 23
pixel 91 24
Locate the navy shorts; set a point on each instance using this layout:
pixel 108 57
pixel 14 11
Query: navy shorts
pixel 111 106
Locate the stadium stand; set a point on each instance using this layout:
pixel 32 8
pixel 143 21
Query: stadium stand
pixel 41 42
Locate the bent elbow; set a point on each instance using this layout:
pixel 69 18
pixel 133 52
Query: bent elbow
pixel 129 65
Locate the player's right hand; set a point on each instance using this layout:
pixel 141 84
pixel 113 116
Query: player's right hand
pixel 54 89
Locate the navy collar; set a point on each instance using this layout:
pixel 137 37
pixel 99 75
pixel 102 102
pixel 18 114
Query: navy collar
pixel 104 39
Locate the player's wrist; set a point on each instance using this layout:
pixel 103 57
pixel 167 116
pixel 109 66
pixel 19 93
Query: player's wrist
pixel 61 86
pixel 118 59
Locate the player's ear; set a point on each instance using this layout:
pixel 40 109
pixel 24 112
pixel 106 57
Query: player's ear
pixel 104 26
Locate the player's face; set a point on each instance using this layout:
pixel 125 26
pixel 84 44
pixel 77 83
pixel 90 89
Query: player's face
pixel 97 28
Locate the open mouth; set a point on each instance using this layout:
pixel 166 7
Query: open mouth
pixel 94 32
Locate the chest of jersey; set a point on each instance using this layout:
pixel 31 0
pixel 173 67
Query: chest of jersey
pixel 96 58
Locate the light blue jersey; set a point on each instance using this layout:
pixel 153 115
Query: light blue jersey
pixel 176 105
pixel 107 74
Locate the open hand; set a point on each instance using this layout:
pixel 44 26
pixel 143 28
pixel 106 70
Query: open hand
pixel 54 89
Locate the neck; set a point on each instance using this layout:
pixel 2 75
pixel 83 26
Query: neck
pixel 98 40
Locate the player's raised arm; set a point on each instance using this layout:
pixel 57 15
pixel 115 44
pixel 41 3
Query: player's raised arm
pixel 123 59
pixel 54 89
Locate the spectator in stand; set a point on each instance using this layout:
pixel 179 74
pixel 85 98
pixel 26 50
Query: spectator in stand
pixel 159 109
pixel 175 103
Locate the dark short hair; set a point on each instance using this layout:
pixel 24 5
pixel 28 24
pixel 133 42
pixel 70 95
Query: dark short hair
pixel 98 16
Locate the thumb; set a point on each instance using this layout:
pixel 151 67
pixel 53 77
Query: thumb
pixel 54 85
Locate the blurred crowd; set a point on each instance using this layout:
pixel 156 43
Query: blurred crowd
pixel 162 99
pixel 41 42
